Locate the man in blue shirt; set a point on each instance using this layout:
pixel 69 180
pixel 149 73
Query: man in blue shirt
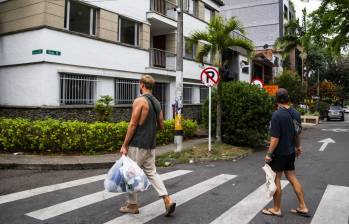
pixel 284 148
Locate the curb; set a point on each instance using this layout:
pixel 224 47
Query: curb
pixel 77 166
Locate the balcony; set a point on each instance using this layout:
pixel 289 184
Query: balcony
pixel 162 15
pixel 162 59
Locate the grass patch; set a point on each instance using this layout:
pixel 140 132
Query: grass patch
pixel 200 153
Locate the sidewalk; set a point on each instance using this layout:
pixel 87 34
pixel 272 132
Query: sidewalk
pixel 40 162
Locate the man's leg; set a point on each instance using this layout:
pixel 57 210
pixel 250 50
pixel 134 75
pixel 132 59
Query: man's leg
pixel 149 169
pixel 276 209
pixel 277 195
pixel 297 187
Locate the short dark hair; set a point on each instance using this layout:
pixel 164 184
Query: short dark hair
pixel 148 81
pixel 282 96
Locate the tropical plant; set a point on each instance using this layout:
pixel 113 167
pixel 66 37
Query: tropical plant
pixel 218 39
pixel 103 108
pixel 290 81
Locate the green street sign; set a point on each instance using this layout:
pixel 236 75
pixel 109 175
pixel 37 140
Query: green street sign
pixel 38 51
pixel 52 52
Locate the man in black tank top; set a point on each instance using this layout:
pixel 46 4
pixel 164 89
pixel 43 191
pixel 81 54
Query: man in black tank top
pixel 284 148
pixel 140 141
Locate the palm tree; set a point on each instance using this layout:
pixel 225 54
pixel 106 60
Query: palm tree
pixel 295 36
pixel 218 39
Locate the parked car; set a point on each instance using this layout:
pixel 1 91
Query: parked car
pixel 346 109
pixel 335 112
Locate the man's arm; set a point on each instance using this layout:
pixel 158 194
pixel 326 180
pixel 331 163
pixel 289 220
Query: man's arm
pixel 273 144
pixel 297 141
pixel 136 114
pixel 161 121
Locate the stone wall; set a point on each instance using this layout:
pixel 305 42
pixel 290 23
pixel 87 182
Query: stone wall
pixel 74 113
pixel 84 113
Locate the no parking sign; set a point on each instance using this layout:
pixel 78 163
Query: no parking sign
pixel 209 77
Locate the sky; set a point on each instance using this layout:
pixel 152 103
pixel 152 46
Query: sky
pixel 311 6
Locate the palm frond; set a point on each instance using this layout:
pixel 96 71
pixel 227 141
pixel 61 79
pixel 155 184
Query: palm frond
pixel 243 43
pixel 233 24
pixel 203 50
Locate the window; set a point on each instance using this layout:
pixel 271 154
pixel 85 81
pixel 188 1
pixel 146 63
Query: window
pixel 285 12
pixel 203 94
pixel 80 18
pixel 208 14
pixel 187 94
pixel 77 89
pixel 126 90
pixel 159 91
pixel 128 32
pixel 208 58
pixel 190 6
pixel 290 16
pixel 189 51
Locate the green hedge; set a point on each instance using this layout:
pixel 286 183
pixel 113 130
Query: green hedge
pixel 246 112
pixel 73 136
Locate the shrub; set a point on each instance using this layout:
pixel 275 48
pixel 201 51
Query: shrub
pixel 103 108
pixel 291 81
pixel 246 112
pixel 73 136
pixel 323 109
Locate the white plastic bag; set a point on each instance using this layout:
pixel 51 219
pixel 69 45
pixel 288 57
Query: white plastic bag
pixel 114 182
pixel 134 177
pixel 270 180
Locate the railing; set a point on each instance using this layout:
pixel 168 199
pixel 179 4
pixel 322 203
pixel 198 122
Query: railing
pixel 162 59
pixel 239 35
pixel 164 7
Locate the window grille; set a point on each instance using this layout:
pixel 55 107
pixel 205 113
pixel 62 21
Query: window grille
pixel 159 92
pixel 203 94
pixel 126 90
pixel 77 89
pixel 187 94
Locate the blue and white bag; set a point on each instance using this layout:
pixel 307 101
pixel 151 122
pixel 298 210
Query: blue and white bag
pixel 126 176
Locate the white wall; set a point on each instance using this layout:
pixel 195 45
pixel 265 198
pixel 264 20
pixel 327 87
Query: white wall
pixel 29 85
pixel 75 50
pixel 243 76
pixel 135 9
pixel 191 24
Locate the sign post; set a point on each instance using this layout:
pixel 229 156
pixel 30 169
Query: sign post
pixel 209 77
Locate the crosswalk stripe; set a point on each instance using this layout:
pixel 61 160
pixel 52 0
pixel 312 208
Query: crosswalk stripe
pixel 50 188
pixel 333 207
pixel 244 211
pixel 77 203
pixel 156 208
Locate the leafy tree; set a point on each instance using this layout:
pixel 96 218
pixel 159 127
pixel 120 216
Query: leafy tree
pixel 218 38
pixel 290 81
pixel 330 26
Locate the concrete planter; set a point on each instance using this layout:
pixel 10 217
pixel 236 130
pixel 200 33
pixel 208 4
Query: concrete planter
pixel 309 119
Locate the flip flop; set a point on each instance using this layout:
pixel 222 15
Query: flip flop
pixel 300 213
pixel 271 213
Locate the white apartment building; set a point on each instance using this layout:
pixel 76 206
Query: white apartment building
pixel 62 54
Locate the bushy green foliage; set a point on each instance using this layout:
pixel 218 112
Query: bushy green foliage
pixel 246 113
pixel 323 109
pixel 103 108
pixel 291 81
pixel 73 136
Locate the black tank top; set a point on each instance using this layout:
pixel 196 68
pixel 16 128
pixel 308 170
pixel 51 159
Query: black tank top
pixel 145 135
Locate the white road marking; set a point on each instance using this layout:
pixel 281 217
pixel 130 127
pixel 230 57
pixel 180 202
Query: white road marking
pixel 333 207
pixel 244 211
pixel 68 206
pixel 156 208
pixel 336 130
pixel 46 189
pixel 325 143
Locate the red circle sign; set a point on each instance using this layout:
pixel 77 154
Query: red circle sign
pixel 258 82
pixel 210 76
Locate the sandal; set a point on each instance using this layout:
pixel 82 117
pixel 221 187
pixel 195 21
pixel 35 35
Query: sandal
pixel 300 213
pixel 271 213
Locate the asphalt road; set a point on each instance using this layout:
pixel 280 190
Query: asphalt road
pixel 219 192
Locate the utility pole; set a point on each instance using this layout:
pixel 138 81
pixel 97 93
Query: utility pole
pixel 179 80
